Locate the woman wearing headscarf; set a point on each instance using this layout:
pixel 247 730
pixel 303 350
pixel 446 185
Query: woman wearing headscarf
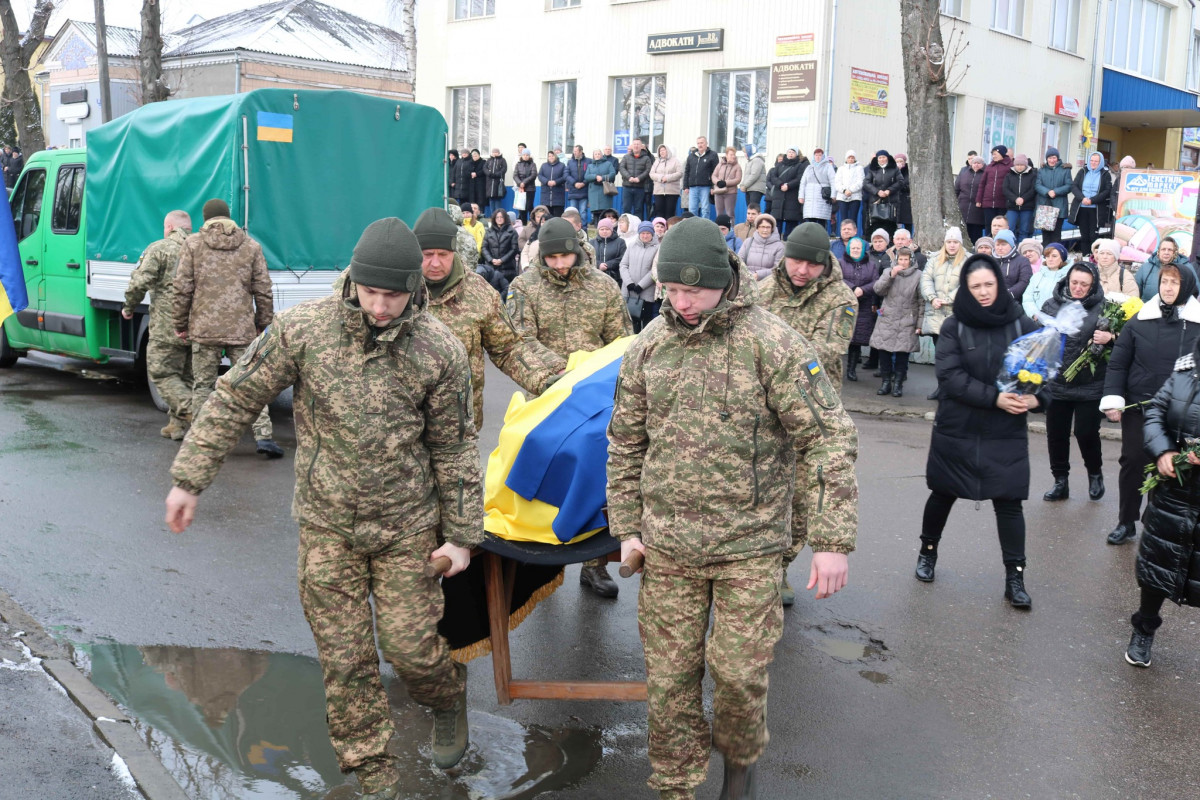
pixel 1089 208
pixel 754 177
pixel 1077 400
pixel 1053 186
pixel 989 197
pixel 814 186
pixel 785 202
pixel 966 187
pixel 553 177
pixel 979 449
pixel 598 171
pixel 1146 276
pixel 1168 560
pixel 763 248
pixel 1041 285
pixel 495 169
pixel 528 237
pixel 860 275
pixel 1114 276
pixel 1165 330
pixel 725 180
pixel 610 249
pixel 881 185
pixel 904 215
pixel 667 174
pixel 627 227
pixel 525 182
pixel 984 246
pixel 847 188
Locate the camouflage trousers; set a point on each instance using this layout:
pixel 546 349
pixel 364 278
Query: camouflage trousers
pixel 169 366
pixel 338 572
pixel 206 363
pixel 744 600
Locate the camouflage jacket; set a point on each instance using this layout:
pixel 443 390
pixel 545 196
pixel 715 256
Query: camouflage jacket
pixel 155 273
pixel 464 242
pixel 471 309
pixel 583 311
pixel 713 430
pixel 222 288
pixel 383 419
pixel 823 312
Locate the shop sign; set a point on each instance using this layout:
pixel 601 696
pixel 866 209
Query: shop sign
pixel 795 44
pixel 1151 205
pixel 1066 107
pixel 794 81
pixel 869 92
pixel 686 41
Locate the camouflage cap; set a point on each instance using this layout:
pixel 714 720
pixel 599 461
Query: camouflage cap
pixel 435 230
pixel 387 257
pixel 694 253
pixel 558 236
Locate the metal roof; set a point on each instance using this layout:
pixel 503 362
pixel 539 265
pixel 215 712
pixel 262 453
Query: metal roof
pixel 1129 101
pixel 122 42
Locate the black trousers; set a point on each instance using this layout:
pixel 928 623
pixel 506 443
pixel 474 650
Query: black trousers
pixel 891 363
pixel 1147 618
pixel 975 231
pixel 1051 237
pixel 1010 522
pixel 1087 416
pixel 665 205
pixel 556 211
pixel 1133 463
pixel 755 199
pixel 991 213
pixel 1088 223
pixel 786 226
pixel 529 206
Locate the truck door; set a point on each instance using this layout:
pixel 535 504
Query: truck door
pixel 66 308
pixel 26 205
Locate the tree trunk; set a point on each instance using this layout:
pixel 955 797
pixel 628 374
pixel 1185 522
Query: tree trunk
pixel 15 55
pixel 934 204
pixel 150 54
pixel 401 15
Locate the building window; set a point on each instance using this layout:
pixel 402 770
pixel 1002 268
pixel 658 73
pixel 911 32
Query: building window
pixel 639 111
pixel 999 127
pixel 1193 80
pixel 738 109
pixel 471 112
pixel 1008 16
pixel 469 9
pixel 951 8
pixel 1137 37
pixel 560 119
pixel 1064 25
pixel 1056 133
pixel 557 4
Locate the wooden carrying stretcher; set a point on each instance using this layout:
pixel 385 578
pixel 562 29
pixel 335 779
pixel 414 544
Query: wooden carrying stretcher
pixel 501 557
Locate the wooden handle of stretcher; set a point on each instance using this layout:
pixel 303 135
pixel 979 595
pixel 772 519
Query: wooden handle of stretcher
pixel 437 566
pixel 632 564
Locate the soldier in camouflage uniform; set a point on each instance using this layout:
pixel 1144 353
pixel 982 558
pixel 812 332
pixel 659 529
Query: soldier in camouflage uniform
pixel 572 216
pixel 168 358
pixel 568 306
pixel 807 292
pixel 386 457
pixel 222 301
pixel 465 303
pixel 464 242
pixel 721 413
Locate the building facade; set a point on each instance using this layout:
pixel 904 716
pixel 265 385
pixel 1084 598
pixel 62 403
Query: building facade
pixel 799 74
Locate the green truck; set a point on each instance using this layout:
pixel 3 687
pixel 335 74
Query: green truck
pixel 304 172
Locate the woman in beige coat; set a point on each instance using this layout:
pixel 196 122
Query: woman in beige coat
pixel 725 180
pixel 667 174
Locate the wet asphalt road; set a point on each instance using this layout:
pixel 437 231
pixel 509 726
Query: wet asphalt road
pixel 892 688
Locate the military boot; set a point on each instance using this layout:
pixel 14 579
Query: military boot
pixel 268 448
pixel 450 735
pixel 174 430
pixel 596 578
pixel 851 367
pixel 787 593
pixel 386 793
pixel 898 385
pixel 738 782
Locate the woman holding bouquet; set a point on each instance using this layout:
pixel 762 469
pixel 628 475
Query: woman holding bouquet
pixel 980 444
pixel 1077 398
pixel 1165 330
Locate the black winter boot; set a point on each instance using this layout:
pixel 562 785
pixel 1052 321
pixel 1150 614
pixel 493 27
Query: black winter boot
pixel 898 385
pixel 926 560
pixel 1124 532
pixel 1060 491
pixel 886 388
pixel 1014 586
pixel 1096 486
pixel 1138 652
pixel 738 783
pixel 851 367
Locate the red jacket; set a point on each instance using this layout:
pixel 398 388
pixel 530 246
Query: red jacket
pixel 991 188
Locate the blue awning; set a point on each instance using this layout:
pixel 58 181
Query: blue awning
pixel 1129 102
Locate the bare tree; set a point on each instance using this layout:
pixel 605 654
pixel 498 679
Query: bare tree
pixel 154 88
pixel 16 53
pixel 929 75
pixel 404 12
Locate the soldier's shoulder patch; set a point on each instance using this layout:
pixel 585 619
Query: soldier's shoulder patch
pixel 821 388
pixel 253 348
pixel 847 317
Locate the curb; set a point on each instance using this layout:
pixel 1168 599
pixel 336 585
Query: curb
pixel 1035 425
pixel 115 728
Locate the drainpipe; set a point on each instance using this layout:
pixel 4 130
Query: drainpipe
pixel 237 71
pixel 832 68
pixel 1191 49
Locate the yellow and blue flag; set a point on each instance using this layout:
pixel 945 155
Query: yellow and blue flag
pixel 546 479
pixel 13 297
pixel 274 127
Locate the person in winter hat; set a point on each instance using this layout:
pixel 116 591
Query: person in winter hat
pixel 847 185
pixel 989 197
pixel 1053 185
pixel 1020 194
pixel 1014 266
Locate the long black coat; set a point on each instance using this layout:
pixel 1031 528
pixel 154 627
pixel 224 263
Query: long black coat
pixel 1100 201
pixel 877 179
pixel 609 252
pixel 477 186
pixel 1168 558
pixel 904 200
pixel 501 242
pixel 1086 386
pixel 463 179
pixel 785 205
pixel 1147 349
pixel 452 176
pixel 496 168
pixel 965 187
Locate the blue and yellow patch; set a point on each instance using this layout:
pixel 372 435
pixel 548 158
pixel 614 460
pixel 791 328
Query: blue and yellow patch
pixel 274 127
pixel 813 368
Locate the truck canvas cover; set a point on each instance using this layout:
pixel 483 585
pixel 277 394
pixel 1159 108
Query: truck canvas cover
pixel 320 166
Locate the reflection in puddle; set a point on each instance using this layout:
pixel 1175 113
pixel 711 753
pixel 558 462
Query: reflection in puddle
pixel 232 724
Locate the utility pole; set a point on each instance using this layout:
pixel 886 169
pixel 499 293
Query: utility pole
pixel 102 63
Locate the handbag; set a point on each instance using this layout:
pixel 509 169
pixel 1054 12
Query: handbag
pixel 1046 218
pixel 519 200
pixel 826 194
pixel 883 211
pixel 634 304
pixel 609 187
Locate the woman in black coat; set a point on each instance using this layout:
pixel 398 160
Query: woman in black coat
pixel 882 181
pixel 552 175
pixel 463 177
pixel 1168 560
pixel 1165 330
pixel 1078 399
pixel 771 184
pixel 980 444
pixel 965 187
pixel 476 181
pixel 500 248
pixel 452 174
pixel 785 196
pixel 904 195
pixel 495 169
pixel 525 181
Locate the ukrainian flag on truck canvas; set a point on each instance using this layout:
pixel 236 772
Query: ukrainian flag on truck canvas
pixel 12 278
pixel 274 127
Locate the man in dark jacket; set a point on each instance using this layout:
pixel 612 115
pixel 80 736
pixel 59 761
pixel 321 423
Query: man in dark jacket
pixel 635 174
pixel 1020 196
pixel 697 178
pixel 577 190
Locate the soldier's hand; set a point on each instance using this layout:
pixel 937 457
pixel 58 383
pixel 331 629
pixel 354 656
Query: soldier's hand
pixel 829 572
pixel 181 335
pixel 181 509
pixel 126 314
pixel 630 546
pixel 459 557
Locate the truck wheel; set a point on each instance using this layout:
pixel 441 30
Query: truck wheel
pixel 8 356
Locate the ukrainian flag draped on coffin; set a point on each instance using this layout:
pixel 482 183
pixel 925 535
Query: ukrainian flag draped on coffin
pixel 13 297
pixel 546 479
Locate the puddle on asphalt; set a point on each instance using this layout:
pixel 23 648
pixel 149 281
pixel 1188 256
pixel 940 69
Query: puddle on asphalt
pixel 232 724
pixel 851 645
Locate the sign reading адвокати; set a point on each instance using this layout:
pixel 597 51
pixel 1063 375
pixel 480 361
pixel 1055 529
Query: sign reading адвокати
pixel 794 81
pixel 686 41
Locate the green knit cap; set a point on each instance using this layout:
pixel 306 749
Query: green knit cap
pixel 694 253
pixel 809 242
pixel 387 257
pixel 435 230
pixel 557 236
pixel 215 208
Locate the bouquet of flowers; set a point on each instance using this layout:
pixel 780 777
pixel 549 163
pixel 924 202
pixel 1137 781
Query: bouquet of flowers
pixel 1118 309
pixel 1033 359
pixel 1182 465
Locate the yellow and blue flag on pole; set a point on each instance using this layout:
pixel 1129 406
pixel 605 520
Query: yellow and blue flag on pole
pixel 13 297
pixel 546 479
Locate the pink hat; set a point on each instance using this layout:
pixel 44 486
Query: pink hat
pixel 604 225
